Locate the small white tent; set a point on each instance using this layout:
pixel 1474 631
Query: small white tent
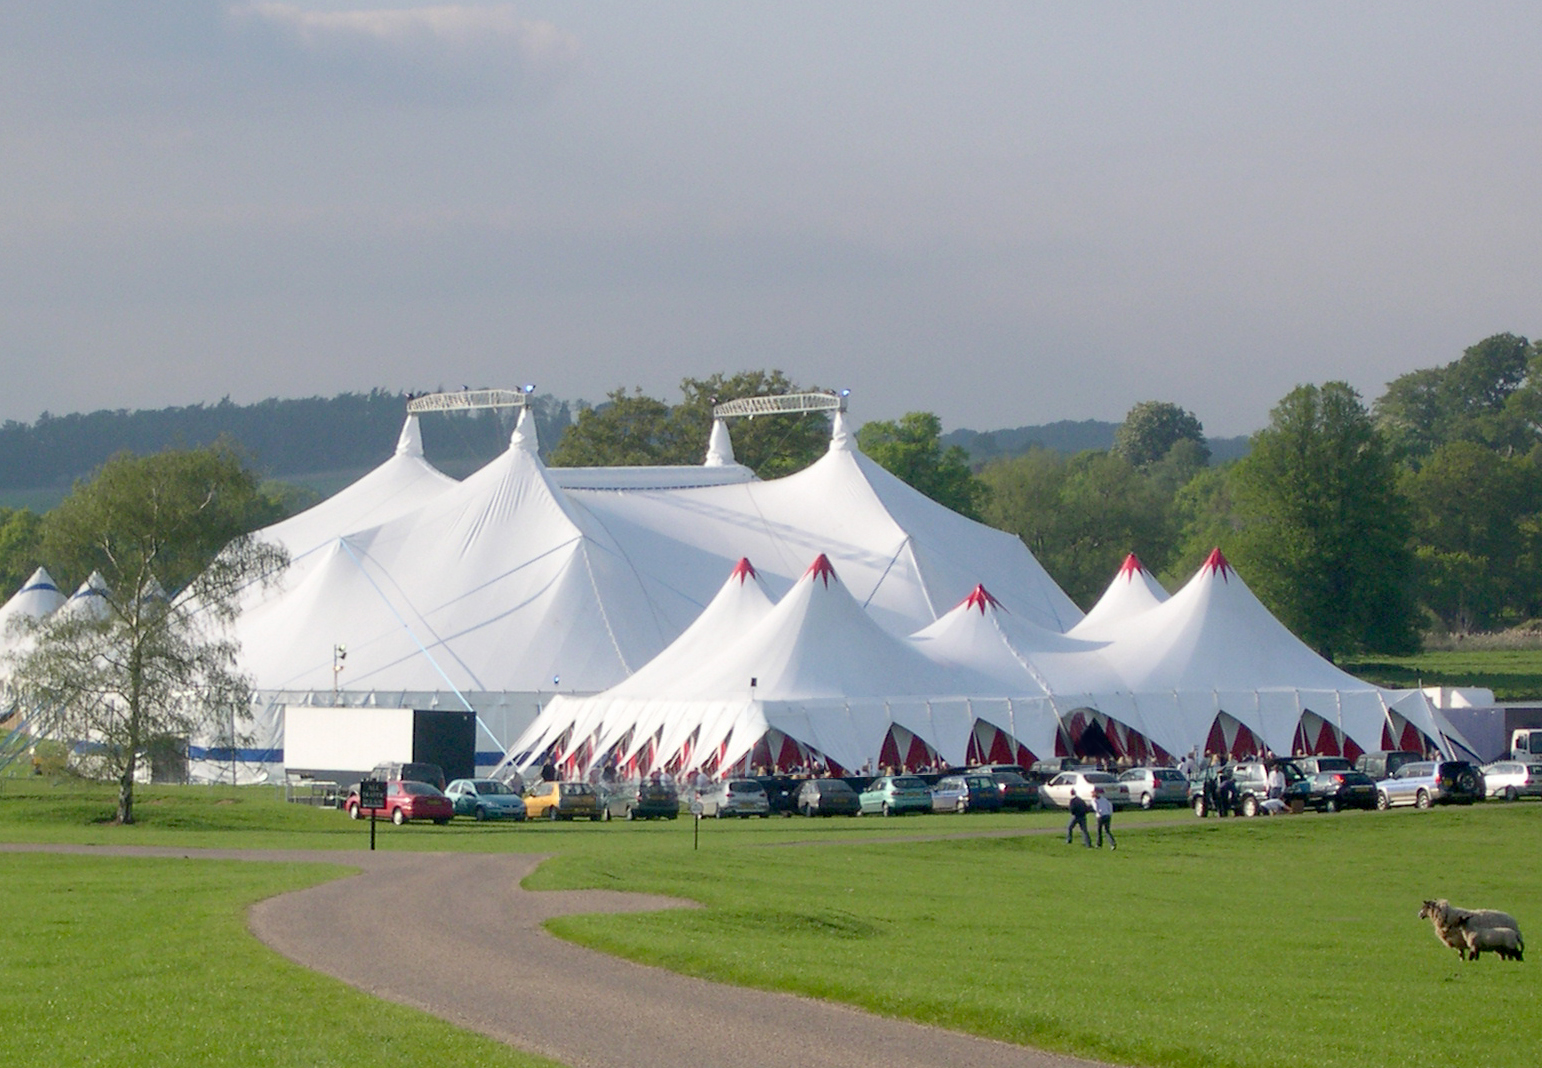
pixel 1132 592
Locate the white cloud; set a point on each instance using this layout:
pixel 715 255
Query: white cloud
pixel 428 35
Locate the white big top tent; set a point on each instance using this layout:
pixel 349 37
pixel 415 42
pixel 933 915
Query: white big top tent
pixel 1208 670
pixel 522 582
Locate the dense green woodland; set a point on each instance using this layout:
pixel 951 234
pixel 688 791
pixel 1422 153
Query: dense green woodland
pixel 1361 526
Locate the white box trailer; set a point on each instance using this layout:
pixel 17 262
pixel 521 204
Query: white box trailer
pixel 342 744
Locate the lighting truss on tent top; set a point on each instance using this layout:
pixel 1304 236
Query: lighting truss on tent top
pixel 468 399
pixel 781 403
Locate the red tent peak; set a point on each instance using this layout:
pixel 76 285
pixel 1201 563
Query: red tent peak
pixel 1131 566
pixel 979 598
pixel 744 570
pixel 821 569
pixel 1216 564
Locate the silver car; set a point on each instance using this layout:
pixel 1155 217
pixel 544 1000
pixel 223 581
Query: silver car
pixel 735 797
pixel 1150 787
pixel 1058 790
pixel 1429 782
pixel 1513 779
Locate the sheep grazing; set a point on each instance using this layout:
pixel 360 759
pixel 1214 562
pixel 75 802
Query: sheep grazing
pixel 1453 925
pixel 1506 941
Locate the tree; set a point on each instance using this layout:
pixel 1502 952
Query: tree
pixel 634 429
pixel 170 536
pixel 1152 428
pixel 1080 516
pixel 21 538
pixel 1490 395
pixel 1475 519
pixel 1324 533
pixel 911 450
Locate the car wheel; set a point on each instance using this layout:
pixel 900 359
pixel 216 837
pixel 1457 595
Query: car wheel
pixel 1383 802
pixel 1512 794
pixel 1199 807
pixel 598 816
pixel 441 821
pixel 808 810
pixel 885 811
pixel 398 817
pixel 962 807
pixel 1422 800
pixel 1145 800
pixel 1250 806
pixel 354 813
pixel 552 814
pixel 480 815
pixel 1330 805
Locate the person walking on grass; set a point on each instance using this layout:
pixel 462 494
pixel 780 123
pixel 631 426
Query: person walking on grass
pixel 1079 810
pixel 1105 811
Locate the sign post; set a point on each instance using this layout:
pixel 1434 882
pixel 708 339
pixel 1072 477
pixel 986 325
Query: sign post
pixel 696 819
pixel 372 795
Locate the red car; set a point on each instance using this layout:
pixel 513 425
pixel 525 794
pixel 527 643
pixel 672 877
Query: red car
pixel 406 800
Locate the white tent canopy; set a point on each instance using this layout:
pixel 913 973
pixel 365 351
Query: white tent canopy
pixel 1132 592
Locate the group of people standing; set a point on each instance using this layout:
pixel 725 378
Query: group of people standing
pixel 1102 807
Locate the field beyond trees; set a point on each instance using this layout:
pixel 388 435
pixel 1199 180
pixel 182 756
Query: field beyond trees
pixel 1209 943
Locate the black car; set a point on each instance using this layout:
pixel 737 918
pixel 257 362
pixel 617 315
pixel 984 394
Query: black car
pixel 1241 788
pixel 1311 765
pixel 781 792
pixel 827 797
pixel 1331 791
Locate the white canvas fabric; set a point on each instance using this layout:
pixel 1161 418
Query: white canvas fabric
pixel 38 597
pixel 1133 591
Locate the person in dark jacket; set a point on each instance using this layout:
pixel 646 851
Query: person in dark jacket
pixel 1079 811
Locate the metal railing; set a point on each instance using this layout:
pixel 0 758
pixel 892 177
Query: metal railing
pixel 466 400
pixel 780 404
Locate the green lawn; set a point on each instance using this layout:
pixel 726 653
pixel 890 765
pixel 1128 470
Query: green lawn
pixel 1198 943
pixel 1513 674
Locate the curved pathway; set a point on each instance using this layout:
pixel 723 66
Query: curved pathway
pixel 456 936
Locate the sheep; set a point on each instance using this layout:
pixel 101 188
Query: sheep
pixel 1447 918
pixel 1506 941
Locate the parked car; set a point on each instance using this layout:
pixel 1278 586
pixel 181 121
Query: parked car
pixel 1150 787
pixel 827 797
pixel 1249 787
pixel 1016 791
pixel 639 800
pixel 1058 790
pixel 1423 783
pixel 1331 791
pixel 405 801
pixel 895 795
pixel 781 793
pixel 485 799
pixel 1311 765
pixel 735 797
pixel 966 793
pixel 562 801
pixel 410 771
pixel 1512 779
pixel 1383 763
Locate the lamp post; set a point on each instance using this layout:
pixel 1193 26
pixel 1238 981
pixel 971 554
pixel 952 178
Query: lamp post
pixel 339 654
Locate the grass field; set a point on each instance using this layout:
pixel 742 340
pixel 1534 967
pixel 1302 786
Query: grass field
pixel 1202 943
pixel 1513 674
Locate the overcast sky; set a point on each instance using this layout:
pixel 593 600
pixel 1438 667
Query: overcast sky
pixel 1006 213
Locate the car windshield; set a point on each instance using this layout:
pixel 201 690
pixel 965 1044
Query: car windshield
pixel 909 783
pixel 491 786
pixel 1169 774
pixel 746 786
pixel 1097 776
pixel 572 789
pixel 981 782
pixel 1410 771
pixel 1009 776
pixel 419 789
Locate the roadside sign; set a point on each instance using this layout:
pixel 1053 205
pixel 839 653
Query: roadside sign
pixel 372 795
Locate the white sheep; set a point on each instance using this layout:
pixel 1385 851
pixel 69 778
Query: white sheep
pixel 1447 919
pixel 1506 941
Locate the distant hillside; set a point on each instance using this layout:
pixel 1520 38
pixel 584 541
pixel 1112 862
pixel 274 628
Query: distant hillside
pixel 286 438
pixel 1066 436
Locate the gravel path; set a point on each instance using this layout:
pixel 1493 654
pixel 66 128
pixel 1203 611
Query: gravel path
pixel 456 936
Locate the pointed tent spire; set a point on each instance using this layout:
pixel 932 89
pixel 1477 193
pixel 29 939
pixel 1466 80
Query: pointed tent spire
pixel 720 447
pixel 744 571
pixel 1131 567
pixel 980 598
pixel 524 436
pixel 822 569
pixel 1216 564
pixel 841 439
pixel 410 443
pixel 40 582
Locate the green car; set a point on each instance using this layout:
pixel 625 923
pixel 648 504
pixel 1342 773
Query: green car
pixel 894 795
pixel 485 799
